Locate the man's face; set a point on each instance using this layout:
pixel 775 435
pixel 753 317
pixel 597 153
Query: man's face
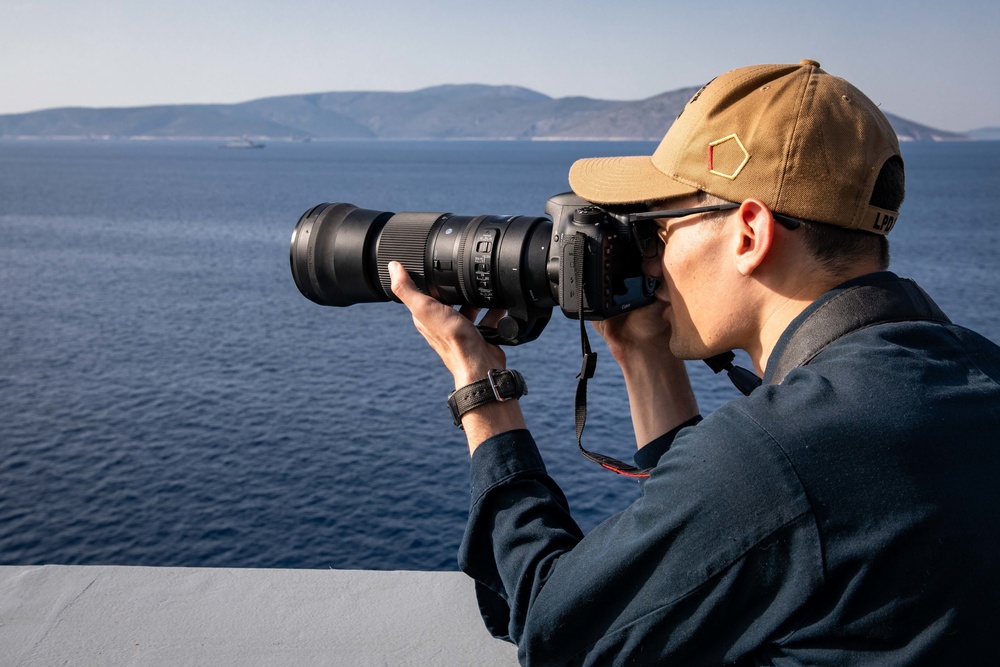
pixel 695 281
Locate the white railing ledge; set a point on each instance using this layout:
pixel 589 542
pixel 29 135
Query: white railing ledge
pixel 113 615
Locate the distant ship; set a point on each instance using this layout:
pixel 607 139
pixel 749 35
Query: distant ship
pixel 245 142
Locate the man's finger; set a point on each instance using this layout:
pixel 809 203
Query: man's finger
pixel 469 312
pixel 400 282
pixel 492 317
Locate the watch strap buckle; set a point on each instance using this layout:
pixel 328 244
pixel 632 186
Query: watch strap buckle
pixel 500 384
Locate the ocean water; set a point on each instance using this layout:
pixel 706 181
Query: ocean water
pixel 167 397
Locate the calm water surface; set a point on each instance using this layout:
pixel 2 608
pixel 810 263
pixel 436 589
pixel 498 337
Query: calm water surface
pixel 167 397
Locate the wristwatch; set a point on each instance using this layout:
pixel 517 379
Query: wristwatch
pixel 499 385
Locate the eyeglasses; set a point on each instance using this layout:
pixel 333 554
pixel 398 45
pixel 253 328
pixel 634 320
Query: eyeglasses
pixel 645 230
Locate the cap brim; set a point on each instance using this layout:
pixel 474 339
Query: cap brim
pixel 623 180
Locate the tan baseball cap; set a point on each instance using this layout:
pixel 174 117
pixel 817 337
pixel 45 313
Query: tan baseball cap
pixel 807 144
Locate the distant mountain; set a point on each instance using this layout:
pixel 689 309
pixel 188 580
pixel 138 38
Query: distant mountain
pixel 907 130
pixel 443 112
pixel 985 134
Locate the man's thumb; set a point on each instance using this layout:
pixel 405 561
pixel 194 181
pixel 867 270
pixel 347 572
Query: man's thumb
pixel 400 280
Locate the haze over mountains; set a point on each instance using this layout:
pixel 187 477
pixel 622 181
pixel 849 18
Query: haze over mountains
pixel 469 111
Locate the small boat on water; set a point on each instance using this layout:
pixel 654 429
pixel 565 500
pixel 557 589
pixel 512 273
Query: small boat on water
pixel 245 142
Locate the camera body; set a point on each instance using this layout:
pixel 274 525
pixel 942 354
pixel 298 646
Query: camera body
pixel 612 278
pixel 579 257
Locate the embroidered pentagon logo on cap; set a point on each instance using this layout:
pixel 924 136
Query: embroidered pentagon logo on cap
pixel 727 157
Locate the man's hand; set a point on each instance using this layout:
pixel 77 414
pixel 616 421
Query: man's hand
pixel 659 391
pixel 640 334
pixel 452 334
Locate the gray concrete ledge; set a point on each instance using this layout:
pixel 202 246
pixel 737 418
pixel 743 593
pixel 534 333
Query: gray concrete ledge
pixel 75 615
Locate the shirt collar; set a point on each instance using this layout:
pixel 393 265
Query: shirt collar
pixel 794 325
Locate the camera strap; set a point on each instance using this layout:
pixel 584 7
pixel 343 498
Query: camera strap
pixel 587 372
pixel 858 306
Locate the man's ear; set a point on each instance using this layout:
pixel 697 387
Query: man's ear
pixel 755 236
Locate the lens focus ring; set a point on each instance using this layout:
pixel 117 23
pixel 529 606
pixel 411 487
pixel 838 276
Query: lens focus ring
pixel 404 239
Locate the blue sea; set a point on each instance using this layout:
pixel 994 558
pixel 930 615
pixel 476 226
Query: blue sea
pixel 168 398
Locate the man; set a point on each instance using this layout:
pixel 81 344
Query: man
pixel 846 511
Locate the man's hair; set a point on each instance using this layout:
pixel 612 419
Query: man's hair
pixel 837 248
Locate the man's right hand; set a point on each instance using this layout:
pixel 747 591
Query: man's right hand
pixel 638 334
pixel 659 391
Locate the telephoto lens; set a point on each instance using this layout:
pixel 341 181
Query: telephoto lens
pixel 340 255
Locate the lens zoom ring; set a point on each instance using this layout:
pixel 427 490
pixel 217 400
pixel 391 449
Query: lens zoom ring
pixel 404 239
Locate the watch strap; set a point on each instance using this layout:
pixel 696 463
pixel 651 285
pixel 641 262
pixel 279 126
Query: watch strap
pixel 498 385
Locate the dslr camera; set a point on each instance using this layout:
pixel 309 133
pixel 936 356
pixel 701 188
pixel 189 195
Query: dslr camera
pixel 578 256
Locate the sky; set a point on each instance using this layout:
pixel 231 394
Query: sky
pixel 937 63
